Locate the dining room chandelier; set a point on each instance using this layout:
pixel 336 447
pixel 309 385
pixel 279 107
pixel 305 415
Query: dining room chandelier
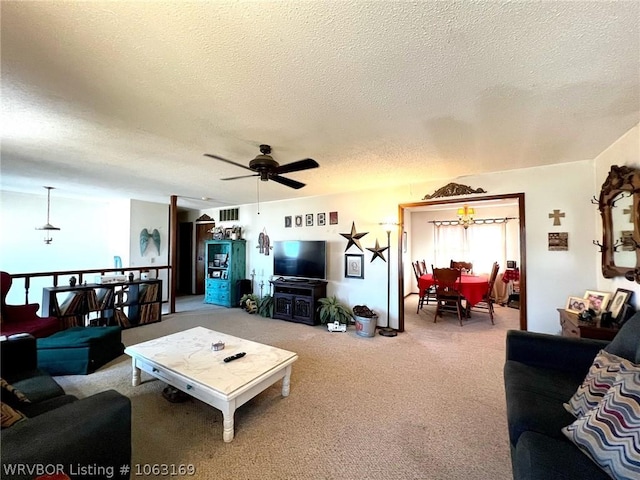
pixel 465 216
pixel 47 227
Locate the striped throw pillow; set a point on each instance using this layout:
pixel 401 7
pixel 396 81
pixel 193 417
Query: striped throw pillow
pixel 9 416
pixel 610 433
pixel 600 377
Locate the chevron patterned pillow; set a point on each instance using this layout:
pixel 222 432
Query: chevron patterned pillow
pixel 601 375
pixel 610 433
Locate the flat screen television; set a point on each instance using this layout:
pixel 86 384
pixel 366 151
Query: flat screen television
pixel 300 259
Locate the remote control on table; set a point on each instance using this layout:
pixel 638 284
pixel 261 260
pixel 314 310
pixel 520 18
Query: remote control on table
pixel 234 357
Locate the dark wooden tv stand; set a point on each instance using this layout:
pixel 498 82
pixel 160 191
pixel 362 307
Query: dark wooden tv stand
pixel 297 301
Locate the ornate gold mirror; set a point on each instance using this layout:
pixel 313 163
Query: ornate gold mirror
pixel 619 205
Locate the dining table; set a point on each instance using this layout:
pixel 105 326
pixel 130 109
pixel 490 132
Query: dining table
pixel 472 287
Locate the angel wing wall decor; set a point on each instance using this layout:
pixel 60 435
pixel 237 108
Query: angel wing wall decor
pixel 144 240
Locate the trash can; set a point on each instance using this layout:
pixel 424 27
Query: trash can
pixel 366 326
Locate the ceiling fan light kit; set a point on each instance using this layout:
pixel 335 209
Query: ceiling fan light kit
pixel 265 167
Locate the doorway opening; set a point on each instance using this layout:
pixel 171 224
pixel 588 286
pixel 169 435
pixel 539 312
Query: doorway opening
pixel 405 209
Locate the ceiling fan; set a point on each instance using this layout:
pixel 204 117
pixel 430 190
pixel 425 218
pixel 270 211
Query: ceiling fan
pixel 267 168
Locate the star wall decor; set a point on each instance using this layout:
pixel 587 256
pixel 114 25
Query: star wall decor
pixel 377 252
pixel 353 237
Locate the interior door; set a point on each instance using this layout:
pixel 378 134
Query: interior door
pixel 201 236
pixel 185 259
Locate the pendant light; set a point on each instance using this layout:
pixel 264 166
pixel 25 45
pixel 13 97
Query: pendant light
pixel 47 227
pixel 465 216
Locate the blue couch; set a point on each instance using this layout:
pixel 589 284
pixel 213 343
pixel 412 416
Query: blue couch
pixel 60 430
pixel 542 372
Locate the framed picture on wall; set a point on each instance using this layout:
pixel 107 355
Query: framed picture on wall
pixel 298 220
pixel 353 265
pixel 309 219
pixel 322 219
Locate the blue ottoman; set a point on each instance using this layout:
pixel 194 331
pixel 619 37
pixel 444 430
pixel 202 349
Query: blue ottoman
pixel 79 350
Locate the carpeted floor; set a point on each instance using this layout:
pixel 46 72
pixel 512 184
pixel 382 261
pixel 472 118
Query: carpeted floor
pixel 427 404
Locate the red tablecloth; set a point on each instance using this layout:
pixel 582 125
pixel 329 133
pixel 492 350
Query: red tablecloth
pixel 473 287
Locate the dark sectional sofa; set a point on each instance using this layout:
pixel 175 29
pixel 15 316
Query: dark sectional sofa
pixel 88 438
pixel 542 372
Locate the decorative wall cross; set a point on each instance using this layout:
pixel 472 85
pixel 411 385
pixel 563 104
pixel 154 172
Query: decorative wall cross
pixel 556 215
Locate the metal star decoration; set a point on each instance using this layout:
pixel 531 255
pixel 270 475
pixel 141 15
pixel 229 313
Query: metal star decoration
pixel 377 252
pixel 353 237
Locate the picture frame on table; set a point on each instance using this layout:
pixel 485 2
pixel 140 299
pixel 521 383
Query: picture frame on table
pixel 619 300
pixel 598 301
pixel 353 265
pixel 576 305
pixel 216 274
pixel 227 233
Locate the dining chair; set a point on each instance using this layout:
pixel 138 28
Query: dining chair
pixel 448 282
pixel 423 267
pixel 466 267
pixel 425 295
pixel 487 300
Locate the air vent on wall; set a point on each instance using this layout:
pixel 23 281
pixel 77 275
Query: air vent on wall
pixel 229 214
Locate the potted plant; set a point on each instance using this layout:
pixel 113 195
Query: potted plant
pixel 265 306
pixel 331 310
pixel 249 302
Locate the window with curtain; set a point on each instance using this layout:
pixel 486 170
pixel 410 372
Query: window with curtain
pixel 481 244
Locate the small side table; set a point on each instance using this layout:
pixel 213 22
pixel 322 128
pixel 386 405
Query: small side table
pixel 572 326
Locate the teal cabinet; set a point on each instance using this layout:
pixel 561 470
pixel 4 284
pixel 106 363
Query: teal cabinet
pixel 225 265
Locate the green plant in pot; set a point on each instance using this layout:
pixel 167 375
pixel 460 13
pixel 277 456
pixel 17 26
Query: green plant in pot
pixel 331 310
pixel 265 306
pixel 249 302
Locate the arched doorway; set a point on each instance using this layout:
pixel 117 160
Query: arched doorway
pixel 519 197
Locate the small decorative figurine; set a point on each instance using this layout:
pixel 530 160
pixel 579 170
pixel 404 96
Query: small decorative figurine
pixel 72 281
pixel 337 327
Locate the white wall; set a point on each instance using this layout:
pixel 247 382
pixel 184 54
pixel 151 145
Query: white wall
pixel 551 276
pixel 92 232
pixel 150 216
pixel 625 151
pixel 367 209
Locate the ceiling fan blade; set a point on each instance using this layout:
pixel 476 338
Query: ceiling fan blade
pixel 227 161
pixel 286 181
pixel 305 164
pixel 241 176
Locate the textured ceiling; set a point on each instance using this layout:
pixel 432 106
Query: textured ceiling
pixel 123 98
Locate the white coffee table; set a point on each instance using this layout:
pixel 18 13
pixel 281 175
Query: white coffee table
pixel 185 360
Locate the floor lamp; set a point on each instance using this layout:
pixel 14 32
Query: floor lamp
pixel 388 331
